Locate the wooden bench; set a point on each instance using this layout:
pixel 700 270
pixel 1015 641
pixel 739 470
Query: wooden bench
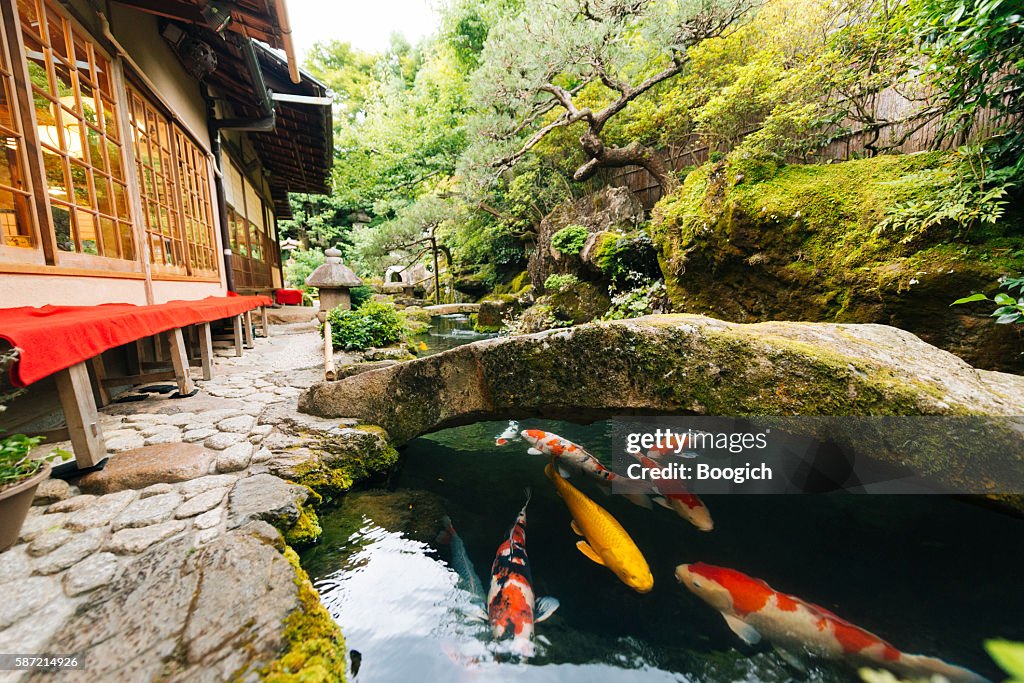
pixel 65 341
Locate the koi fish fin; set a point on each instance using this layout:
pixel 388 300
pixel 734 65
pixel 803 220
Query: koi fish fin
pixel 922 664
pixel 533 451
pixel 444 537
pixel 660 500
pixel 546 606
pixel 589 552
pixel 747 633
pixel 564 473
pixel 543 640
pixel 640 499
pixel 529 494
pixel 576 528
pixel 791 658
pixel 475 612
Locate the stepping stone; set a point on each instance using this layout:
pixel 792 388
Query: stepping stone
pixel 72 552
pixel 100 511
pixel 235 457
pixel 131 541
pixel 201 503
pixel 91 573
pixel 142 467
pixel 147 511
pixel 214 481
pixel 24 597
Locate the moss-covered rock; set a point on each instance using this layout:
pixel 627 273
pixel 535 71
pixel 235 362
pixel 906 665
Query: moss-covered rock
pixel 756 241
pixel 314 647
pixel 306 531
pixel 692 364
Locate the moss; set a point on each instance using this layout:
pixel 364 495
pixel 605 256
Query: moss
pixel 306 530
pixel 519 282
pixel 314 647
pixel 329 482
pixel 755 240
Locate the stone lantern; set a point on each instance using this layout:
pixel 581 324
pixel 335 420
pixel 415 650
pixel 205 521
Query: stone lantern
pixel 333 279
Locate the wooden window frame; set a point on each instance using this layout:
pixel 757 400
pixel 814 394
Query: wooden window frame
pixel 185 200
pixel 119 248
pixel 255 273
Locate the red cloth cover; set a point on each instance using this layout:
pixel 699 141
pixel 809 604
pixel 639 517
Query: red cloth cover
pixel 288 297
pixel 52 338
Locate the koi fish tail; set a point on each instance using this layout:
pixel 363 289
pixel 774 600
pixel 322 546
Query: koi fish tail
pixel 529 494
pixel 917 665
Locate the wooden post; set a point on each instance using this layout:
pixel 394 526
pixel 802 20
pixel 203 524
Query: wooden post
pixel 265 321
pixel 100 370
pixel 247 317
pixel 238 335
pixel 329 372
pixel 179 359
pixel 133 357
pixel 83 421
pixel 206 350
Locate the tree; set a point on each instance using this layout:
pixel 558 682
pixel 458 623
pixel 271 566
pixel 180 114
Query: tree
pixel 347 71
pixel 557 64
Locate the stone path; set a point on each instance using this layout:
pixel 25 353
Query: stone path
pixel 188 474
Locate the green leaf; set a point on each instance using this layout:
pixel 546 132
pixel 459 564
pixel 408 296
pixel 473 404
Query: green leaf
pixel 1008 318
pixel 970 299
pixel 1008 655
pixel 1004 299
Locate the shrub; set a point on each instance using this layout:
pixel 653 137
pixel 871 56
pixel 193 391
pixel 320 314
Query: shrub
pixel 627 257
pixel 570 239
pixel 360 295
pixel 560 283
pixel 373 324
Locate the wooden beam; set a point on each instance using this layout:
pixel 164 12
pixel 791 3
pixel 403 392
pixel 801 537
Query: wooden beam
pixel 179 358
pixel 248 330
pixel 206 350
pixel 139 378
pixel 80 415
pixel 238 335
pixel 99 369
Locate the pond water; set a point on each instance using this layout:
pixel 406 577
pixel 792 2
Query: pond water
pixel 447 332
pixel 932 575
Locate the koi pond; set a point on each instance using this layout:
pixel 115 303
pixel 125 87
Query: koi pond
pixel 932 575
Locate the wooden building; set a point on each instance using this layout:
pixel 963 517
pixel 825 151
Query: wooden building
pixel 149 147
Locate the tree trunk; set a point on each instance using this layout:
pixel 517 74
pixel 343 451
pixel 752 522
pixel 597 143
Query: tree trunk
pixel 633 154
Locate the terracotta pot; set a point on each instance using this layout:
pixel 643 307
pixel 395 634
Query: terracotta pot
pixel 15 502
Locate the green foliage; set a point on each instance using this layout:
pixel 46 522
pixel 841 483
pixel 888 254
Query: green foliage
pixel 570 239
pixel 15 463
pixel 1009 656
pixel 974 57
pixel 560 283
pixel 641 300
pixel 360 295
pixel 1010 309
pixel 300 265
pixel 373 324
pixel 961 193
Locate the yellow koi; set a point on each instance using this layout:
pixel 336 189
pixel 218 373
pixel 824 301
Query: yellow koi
pixel 607 543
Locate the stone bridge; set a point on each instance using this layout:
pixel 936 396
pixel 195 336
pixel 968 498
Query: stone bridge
pixel 685 364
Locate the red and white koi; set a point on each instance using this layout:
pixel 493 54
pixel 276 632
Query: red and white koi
pixel 676 497
pixel 570 456
pixel 511 607
pixel 510 434
pixel 753 610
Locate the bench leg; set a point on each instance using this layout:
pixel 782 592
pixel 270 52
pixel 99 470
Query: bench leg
pixel 179 359
pixel 266 323
pixel 83 421
pixel 247 316
pixel 99 369
pixel 206 350
pixel 238 335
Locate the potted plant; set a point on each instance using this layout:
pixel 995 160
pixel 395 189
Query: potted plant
pixel 20 475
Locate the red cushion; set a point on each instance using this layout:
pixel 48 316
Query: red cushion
pixel 52 338
pixel 288 297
